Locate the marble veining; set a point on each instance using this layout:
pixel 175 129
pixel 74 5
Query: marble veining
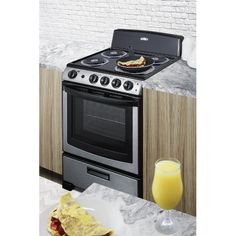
pixel 178 78
pixel 138 214
pixel 58 54
pixel 49 193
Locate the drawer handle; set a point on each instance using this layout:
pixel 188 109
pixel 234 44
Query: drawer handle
pixel 98 173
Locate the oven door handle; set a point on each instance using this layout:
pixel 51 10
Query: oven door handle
pixel 101 98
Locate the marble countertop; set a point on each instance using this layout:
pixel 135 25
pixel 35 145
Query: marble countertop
pixel 50 192
pixel 178 78
pixel 139 215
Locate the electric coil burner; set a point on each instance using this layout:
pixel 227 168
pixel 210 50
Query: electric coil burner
pixel 97 61
pixel 159 60
pixel 102 109
pixel 113 53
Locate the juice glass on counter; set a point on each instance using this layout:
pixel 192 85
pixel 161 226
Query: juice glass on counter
pixel 167 190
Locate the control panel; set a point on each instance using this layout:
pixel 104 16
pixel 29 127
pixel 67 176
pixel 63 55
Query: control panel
pixel 102 80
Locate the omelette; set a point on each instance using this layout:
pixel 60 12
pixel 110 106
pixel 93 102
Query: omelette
pixel 140 62
pixel 69 219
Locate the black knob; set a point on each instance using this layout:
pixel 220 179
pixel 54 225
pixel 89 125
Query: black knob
pixel 93 78
pixel 116 83
pixel 128 85
pixel 72 74
pixel 104 80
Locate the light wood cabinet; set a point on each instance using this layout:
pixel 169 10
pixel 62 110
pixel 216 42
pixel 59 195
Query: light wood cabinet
pixel 169 130
pixel 50 150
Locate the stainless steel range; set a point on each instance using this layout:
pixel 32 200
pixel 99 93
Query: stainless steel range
pixel 102 109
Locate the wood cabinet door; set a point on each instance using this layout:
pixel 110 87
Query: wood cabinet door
pixel 170 131
pixel 50 150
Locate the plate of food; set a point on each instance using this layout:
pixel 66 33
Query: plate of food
pixel 84 216
pixel 135 63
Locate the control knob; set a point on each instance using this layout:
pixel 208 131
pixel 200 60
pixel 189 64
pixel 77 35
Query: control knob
pixel 93 78
pixel 72 74
pixel 128 85
pixel 104 80
pixel 116 83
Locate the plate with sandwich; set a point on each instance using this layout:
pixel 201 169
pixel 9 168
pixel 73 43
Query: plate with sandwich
pixel 81 217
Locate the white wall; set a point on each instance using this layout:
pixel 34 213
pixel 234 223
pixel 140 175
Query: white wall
pixel 94 20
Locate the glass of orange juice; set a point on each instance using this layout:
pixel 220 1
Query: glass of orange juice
pixel 167 190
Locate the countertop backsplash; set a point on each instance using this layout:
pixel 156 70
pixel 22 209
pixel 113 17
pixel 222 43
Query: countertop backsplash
pixel 93 21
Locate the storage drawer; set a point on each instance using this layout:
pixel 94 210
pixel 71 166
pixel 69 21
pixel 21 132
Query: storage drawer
pixel 82 174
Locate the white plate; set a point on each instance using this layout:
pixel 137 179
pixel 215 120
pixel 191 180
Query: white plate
pixel 106 213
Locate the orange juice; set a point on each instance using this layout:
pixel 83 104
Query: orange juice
pixel 167 186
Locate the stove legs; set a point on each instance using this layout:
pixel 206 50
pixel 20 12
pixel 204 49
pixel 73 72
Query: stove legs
pixel 68 186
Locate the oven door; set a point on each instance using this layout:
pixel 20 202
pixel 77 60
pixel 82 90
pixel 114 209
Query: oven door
pixel 101 126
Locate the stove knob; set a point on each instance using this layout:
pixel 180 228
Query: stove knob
pixel 104 80
pixel 128 85
pixel 93 78
pixel 72 74
pixel 116 83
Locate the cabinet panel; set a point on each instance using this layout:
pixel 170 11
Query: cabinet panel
pixel 50 120
pixel 170 131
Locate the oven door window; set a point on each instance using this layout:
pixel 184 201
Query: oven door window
pixel 100 128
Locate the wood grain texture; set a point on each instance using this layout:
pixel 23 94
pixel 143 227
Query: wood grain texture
pixel 50 119
pixel 169 130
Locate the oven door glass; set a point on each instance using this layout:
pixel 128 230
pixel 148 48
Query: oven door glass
pixel 96 125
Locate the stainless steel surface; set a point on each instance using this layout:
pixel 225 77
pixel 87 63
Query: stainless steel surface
pixel 129 167
pixel 79 173
pixel 83 78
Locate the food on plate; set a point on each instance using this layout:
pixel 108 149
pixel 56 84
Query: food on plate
pixel 69 219
pixel 140 62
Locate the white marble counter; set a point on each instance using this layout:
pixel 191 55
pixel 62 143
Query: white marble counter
pixel 178 78
pixel 138 215
pixel 50 192
pixel 58 54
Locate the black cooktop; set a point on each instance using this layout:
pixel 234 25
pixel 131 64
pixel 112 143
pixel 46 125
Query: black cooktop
pixel 106 62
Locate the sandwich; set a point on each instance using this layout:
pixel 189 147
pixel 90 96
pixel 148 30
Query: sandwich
pixel 140 62
pixel 69 219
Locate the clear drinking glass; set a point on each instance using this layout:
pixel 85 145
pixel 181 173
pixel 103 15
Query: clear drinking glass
pixel 167 190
